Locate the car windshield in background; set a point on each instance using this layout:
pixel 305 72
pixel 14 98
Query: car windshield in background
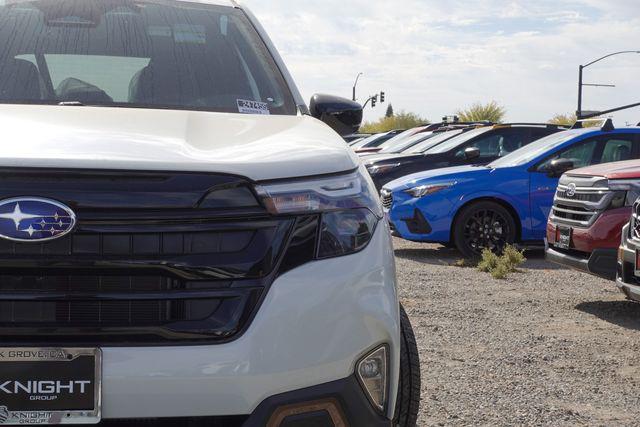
pixel 532 151
pixel 153 54
pixel 456 141
pixel 433 141
pixel 368 140
pixel 406 143
pixel 399 137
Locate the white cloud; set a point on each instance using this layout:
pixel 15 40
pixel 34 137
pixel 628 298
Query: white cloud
pixel 433 57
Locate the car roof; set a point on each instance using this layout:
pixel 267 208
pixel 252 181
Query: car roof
pixel 628 169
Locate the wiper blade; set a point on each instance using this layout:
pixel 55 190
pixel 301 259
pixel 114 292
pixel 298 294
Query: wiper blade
pixel 71 104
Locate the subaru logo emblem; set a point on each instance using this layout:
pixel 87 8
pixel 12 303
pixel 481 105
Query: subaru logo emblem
pixel 32 219
pixel 571 190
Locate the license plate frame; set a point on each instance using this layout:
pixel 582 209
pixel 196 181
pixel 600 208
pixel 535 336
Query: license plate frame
pixel 38 399
pixel 563 237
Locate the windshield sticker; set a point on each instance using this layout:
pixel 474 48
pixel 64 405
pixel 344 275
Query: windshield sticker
pixel 253 107
pixel 195 34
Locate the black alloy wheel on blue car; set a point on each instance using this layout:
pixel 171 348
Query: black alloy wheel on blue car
pixel 483 225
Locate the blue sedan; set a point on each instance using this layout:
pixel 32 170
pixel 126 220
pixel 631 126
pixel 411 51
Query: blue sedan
pixel 507 201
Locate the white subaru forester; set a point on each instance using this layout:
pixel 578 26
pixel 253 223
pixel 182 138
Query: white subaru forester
pixel 182 241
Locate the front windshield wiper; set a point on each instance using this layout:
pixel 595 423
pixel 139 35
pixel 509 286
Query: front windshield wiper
pixel 71 104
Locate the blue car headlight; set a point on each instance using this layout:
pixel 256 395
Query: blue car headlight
pixel 348 206
pixel 425 190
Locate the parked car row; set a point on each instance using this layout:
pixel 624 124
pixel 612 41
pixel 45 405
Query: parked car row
pixel 508 200
pixel 577 191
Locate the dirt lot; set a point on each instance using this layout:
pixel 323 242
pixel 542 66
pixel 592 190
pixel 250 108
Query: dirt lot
pixel 546 347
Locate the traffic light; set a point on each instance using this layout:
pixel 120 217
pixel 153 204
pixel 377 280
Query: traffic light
pixel 382 97
pixel 374 100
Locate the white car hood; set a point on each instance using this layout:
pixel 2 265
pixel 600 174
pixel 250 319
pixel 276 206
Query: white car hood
pixel 257 147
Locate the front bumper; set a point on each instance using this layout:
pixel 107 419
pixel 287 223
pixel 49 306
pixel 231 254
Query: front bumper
pixel 626 279
pixel 601 262
pixel 316 322
pixel 594 249
pixel 421 220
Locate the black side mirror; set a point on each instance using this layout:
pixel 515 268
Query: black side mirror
pixel 341 114
pixel 559 166
pixel 471 153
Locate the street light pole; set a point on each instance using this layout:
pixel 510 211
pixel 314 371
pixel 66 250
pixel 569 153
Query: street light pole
pixel 579 111
pixel 356 84
pixel 581 85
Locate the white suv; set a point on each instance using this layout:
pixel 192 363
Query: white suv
pixel 181 242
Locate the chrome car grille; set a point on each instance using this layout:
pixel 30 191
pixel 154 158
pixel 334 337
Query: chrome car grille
pixel 635 220
pixel 387 199
pixel 580 205
pixel 572 214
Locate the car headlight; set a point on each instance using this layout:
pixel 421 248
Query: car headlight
pixel 625 193
pixel 348 206
pixel 425 190
pixel 377 169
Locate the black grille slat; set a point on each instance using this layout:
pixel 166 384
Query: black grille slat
pixel 98 313
pixel 582 197
pixel 136 244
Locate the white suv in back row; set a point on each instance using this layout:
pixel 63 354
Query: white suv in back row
pixel 182 241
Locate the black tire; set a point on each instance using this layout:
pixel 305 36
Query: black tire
pixel 483 225
pixel 408 399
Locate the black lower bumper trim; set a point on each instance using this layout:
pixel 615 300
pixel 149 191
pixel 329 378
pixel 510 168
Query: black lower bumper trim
pixel 601 262
pixel 232 421
pixel 348 393
pixel 418 224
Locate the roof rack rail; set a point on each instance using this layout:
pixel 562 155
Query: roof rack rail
pixel 607 123
pixel 435 126
pixel 455 120
pixel 548 125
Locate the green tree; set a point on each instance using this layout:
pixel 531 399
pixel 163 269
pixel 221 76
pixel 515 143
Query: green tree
pixel 478 112
pixel 571 118
pixel 401 120
pixel 564 119
pixel 389 111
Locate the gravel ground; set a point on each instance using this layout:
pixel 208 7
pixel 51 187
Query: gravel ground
pixel 547 346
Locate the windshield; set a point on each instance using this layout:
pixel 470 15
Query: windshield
pixel 405 143
pixel 460 139
pixel 153 54
pixel 432 142
pixel 368 140
pixel 401 136
pixel 532 151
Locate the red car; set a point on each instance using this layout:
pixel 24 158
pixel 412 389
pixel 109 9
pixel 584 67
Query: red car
pixel 590 208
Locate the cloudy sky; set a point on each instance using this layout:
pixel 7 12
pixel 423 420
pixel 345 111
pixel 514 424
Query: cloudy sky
pixel 433 57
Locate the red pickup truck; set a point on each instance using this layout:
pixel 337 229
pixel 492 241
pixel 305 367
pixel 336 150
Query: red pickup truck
pixel 590 208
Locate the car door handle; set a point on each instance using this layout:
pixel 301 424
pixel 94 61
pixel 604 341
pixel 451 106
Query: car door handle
pixel 544 189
